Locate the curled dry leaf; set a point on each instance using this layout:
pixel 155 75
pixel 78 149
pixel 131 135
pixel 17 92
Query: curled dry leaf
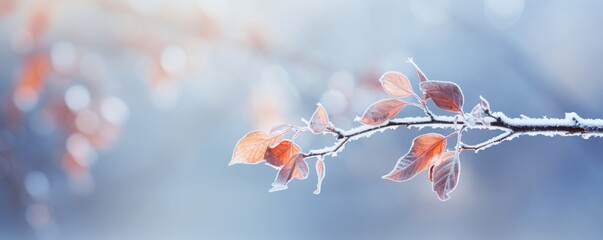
pixel 446 175
pixel 286 173
pixel 320 173
pixel 421 155
pixel 445 95
pixel 251 148
pixel 382 111
pixel 320 120
pixel 396 84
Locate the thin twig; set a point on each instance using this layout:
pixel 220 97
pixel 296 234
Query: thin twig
pixel 571 125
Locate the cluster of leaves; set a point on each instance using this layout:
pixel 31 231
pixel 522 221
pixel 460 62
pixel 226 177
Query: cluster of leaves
pixel 283 154
pixel 427 152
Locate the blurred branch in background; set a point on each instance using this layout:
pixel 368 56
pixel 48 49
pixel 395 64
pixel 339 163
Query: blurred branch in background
pixel 61 105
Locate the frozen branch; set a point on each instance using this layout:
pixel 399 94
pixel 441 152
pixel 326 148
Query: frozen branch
pixel 428 152
pixel 571 125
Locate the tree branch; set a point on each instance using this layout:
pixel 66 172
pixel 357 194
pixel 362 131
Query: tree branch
pixel 571 125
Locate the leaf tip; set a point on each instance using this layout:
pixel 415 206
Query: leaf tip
pixel 233 160
pixel 276 188
pixel 444 196
pixel 393 176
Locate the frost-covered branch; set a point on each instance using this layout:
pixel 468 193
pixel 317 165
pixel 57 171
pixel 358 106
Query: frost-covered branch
pixel 427 151
pixel 571 125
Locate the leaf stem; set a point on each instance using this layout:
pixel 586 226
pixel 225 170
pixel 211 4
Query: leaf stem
pixel 424 106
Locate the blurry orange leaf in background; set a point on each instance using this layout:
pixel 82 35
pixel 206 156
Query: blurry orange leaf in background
pixel 30 82
pixel 32 77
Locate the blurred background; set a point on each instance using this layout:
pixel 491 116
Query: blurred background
pixel 118 118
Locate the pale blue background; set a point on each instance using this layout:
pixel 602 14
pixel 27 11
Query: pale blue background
pixel 167 176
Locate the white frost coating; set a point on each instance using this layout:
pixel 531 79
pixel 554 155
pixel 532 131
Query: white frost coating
pixel 593 127
pixel 571 119
pixel 331 148
pixel 492 141
pixel 305 121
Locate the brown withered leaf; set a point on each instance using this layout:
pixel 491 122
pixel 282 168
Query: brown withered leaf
pixel 320 173
pixel 279 155
pixel 320 120
pixel 445 95
pixel 446 175
pixel 251 148
pixel 286 173
pixel 421 155
pixel 382 111
pixel 396 84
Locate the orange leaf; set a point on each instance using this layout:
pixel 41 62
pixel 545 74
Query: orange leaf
pixel 320 120
pixel 446 175
pixel 445 95
pixel 320 173
pixel 396 84
pixel 382 111
pixel 420 157
pixel 251 148
pixel 279 155
pixel 286 173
